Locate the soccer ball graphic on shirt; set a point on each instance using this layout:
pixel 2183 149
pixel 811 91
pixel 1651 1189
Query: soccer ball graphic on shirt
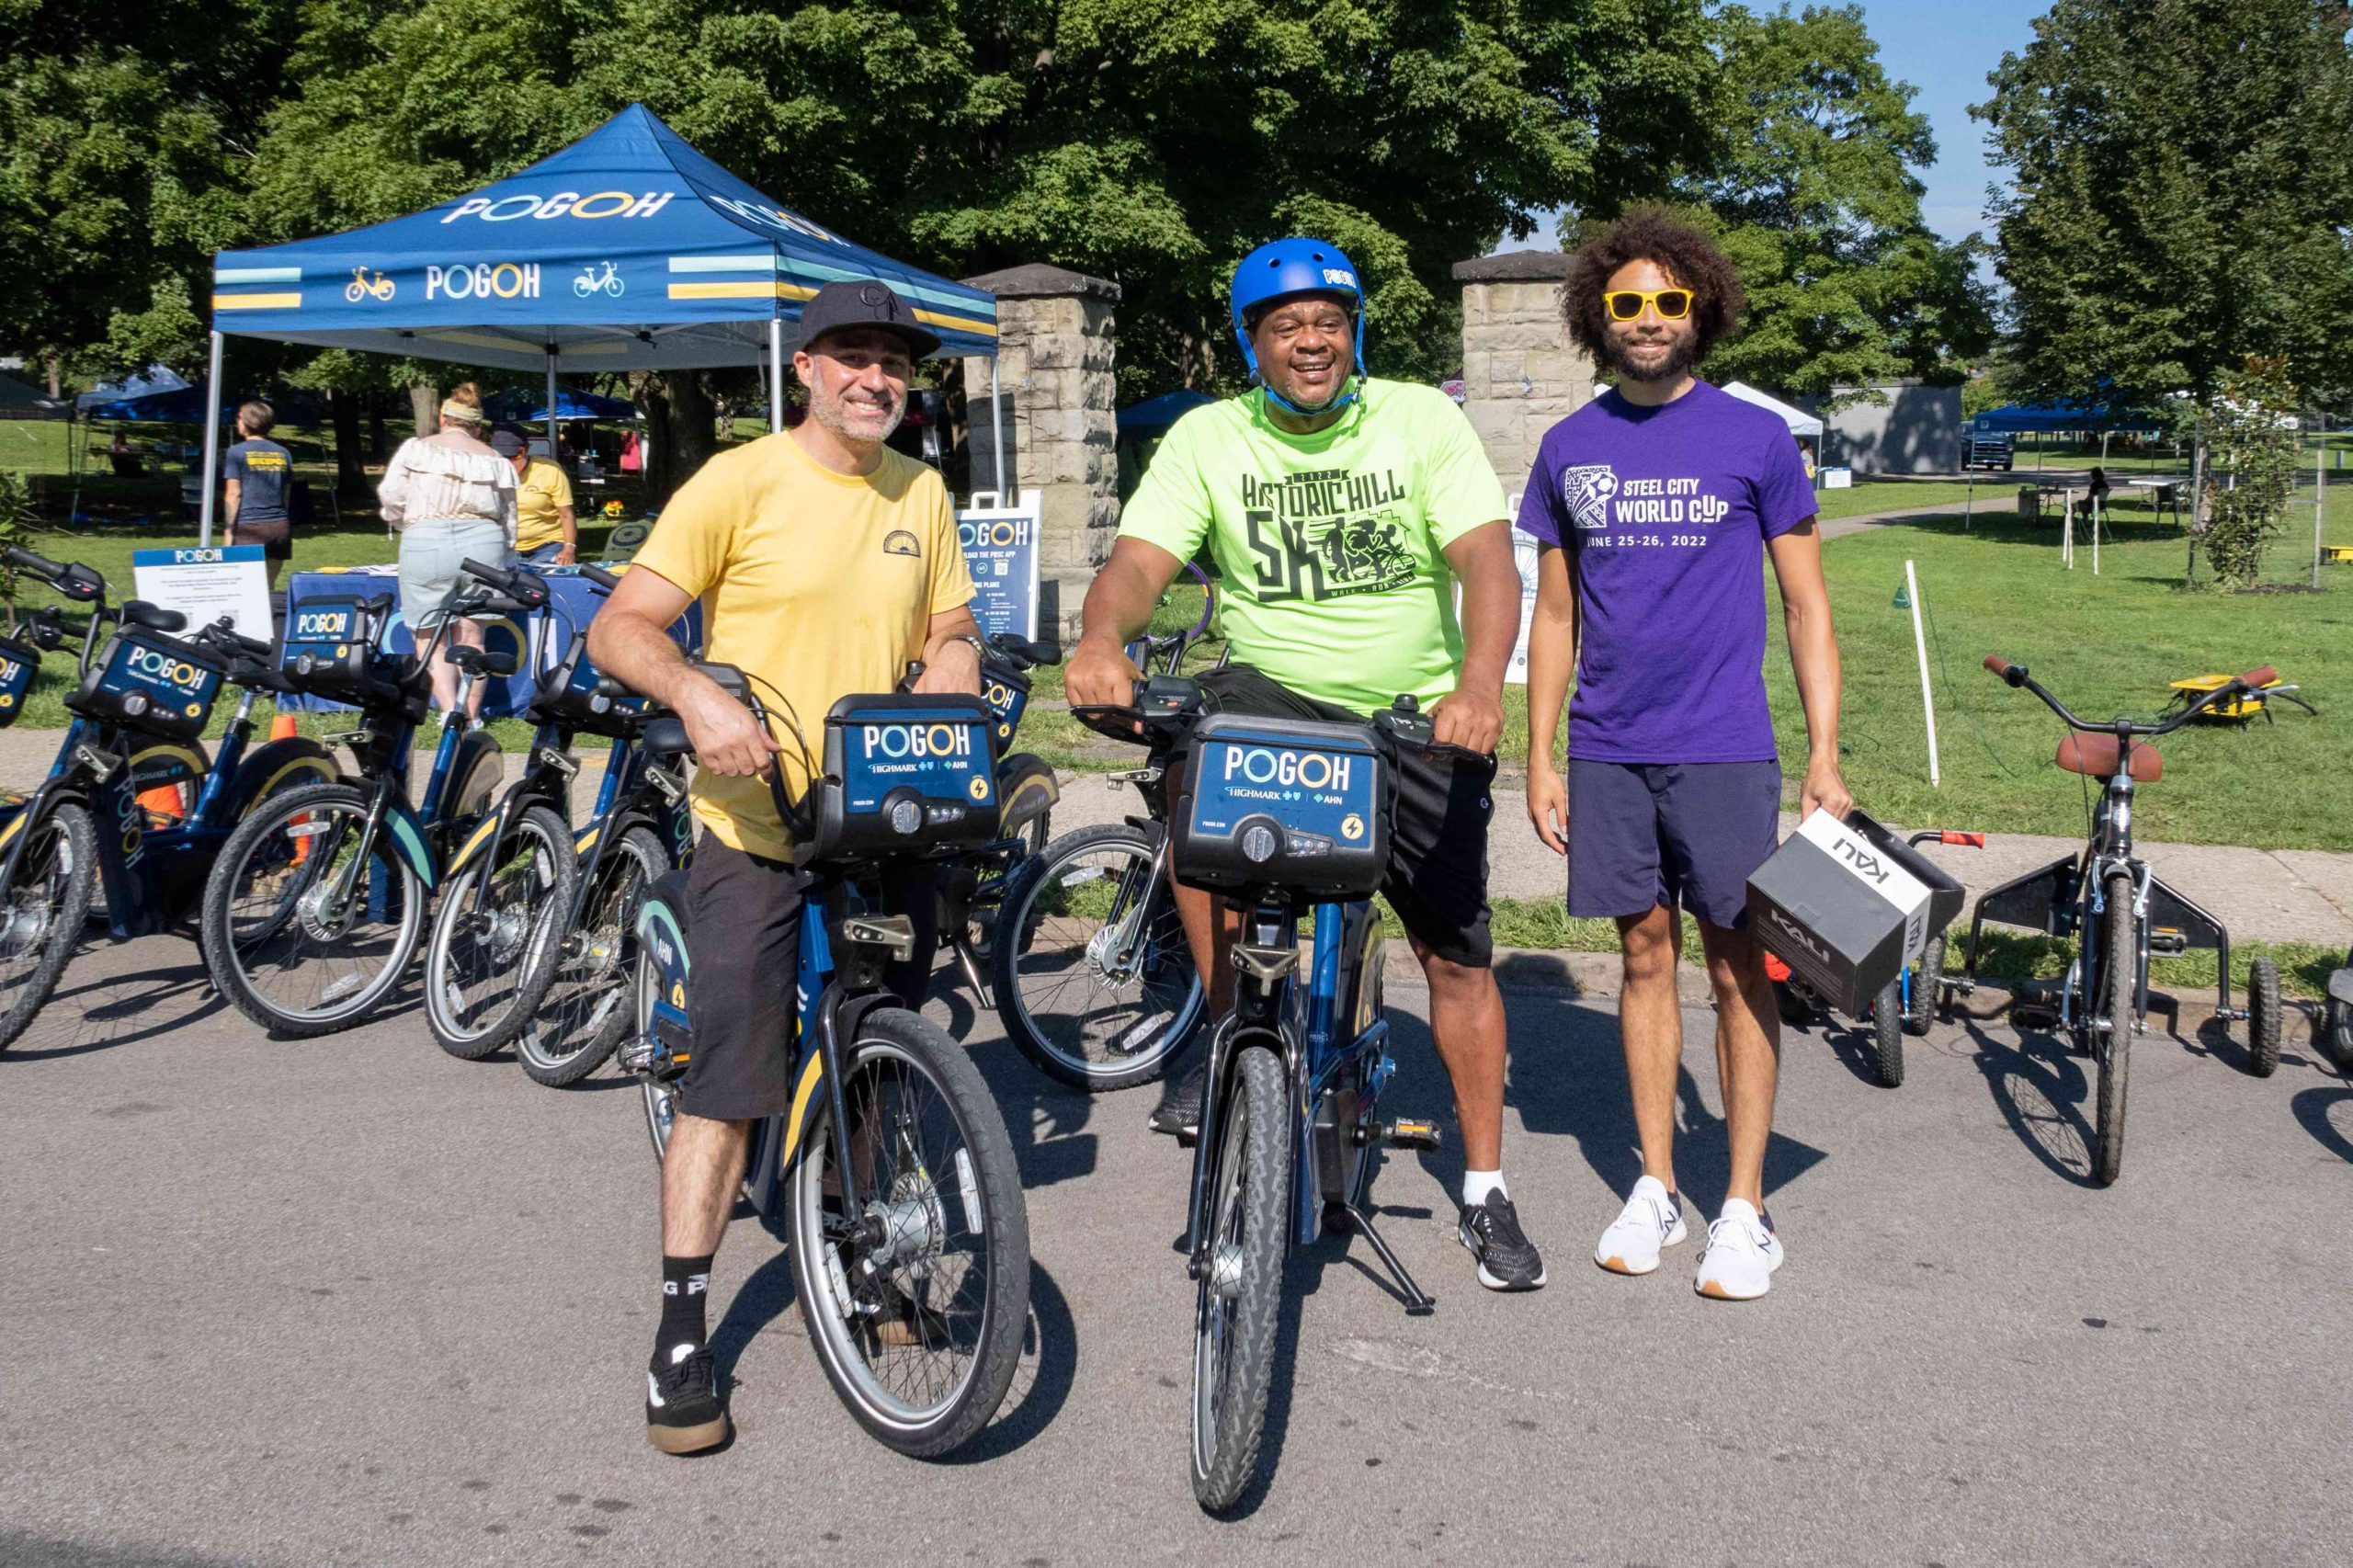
pixel 1587 489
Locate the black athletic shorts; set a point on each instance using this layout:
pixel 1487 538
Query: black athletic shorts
pixel 744 953
pixel 275 537
pixel 1437 843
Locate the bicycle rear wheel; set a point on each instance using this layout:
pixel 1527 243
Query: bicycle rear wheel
pixel 1092 978
pixel 587 1008
pixel 1887 1035
pixel 42 911
pixel 915 1307
pixel 1240 1293
pixel 2112 1026
pixel 487 967
pixel 297 937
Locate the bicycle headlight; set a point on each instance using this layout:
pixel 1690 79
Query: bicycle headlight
pixel 1259 843
pixel 905 816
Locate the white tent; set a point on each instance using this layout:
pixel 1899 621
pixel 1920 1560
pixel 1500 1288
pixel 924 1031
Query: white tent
pixel 1800 422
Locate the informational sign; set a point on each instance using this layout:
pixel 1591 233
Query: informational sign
pixel 1523 556
pixel 1001 549
pixel 205 584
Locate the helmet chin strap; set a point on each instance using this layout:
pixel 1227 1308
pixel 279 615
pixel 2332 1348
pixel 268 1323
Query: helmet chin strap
pixel 1337 401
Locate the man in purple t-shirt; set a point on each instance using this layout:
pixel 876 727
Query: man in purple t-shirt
pixel 1653 507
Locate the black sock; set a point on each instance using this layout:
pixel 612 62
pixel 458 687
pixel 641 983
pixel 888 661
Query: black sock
pixel 686 1281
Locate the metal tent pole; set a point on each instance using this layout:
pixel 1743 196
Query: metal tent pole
pixel 554 450
pixel 212 447
pixel 997 439
pixel 776 374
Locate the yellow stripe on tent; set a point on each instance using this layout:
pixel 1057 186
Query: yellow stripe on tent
pixel 257 301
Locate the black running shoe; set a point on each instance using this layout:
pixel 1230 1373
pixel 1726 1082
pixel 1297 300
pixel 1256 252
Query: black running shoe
pixel 684 1412
pixel 1507 1259
pixel 1179 1115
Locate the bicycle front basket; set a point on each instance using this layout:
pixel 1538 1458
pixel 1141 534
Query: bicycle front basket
pixel 329 648
pixel 20 662
pixel 573 692
pixel 1284 805
pixel 906 777
pixel 153 683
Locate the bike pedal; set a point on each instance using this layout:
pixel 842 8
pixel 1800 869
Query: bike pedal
pixel 1421 1135
pixel 2168 941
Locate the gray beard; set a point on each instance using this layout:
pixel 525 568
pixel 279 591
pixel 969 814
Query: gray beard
pixel 827 412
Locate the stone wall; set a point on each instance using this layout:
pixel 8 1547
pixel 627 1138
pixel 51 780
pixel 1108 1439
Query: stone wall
pixel 1054 356
pixel 1520 374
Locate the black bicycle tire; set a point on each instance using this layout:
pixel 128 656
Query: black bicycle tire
pixel 1004 957
pixel 998 1180
pixel 65 929
pixel 2263 1017
pixel 1260 1086
pixel 1927 988
pixel 1887 1035
pixel 2113 1046
pixel 220 950
pixel 539 970
pixel 561 1072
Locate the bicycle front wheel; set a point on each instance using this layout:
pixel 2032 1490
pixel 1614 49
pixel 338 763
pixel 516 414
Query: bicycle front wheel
pixel 917 1305
pixel 496 935
pixel 1239 1298
pixel 587 1009
pixel 299 935
pixel 2112 1024
pixel 41 911
pixel 1093 980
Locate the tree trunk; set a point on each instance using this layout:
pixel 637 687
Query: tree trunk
pixel 377 451
pixel 425 407
pixel 350 474
pixel 684 438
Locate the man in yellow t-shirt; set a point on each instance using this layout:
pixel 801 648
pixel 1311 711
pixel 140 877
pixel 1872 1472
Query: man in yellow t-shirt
pixel 825 562
pixel 546 532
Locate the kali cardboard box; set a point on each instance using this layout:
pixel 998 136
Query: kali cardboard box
pixel 1846 905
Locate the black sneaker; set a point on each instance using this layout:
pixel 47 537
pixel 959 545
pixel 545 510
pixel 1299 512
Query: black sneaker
pixel 1179 1115
pixel 1507 1259
pixel 683 1414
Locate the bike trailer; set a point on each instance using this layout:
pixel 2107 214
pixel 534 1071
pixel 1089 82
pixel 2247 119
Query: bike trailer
pixel 1296 805
pixel 156 685
pixel 329 647
pixel 904 776
pixel 1847 905
pixel 20 662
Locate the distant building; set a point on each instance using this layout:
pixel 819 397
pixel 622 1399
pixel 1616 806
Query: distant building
pixel 1916 430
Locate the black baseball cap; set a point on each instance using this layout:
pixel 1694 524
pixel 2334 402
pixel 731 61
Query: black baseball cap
pixel 509 443
pixel 864 302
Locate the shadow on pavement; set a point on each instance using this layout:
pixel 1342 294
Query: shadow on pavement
pixel 2320 1109
pixel 90 1011
pixel 2041 1095
pixel 1040 1384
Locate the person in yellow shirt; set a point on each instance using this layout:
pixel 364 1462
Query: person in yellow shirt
pixel 546 532
pixel 825 562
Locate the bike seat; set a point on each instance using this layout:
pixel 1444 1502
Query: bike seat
pixel 480 660
pixel 2094 757
pixel 154 617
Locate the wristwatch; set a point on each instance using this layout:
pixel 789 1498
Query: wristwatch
pixel 980 649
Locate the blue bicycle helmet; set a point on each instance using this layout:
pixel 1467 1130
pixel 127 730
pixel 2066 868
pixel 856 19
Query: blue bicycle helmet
pixel 1281 268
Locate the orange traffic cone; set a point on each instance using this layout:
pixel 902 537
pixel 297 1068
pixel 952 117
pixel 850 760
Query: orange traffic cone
pixel 162 803
pixel 281 728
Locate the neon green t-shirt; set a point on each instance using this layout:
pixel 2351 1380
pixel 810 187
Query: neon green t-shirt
pixel 1330 545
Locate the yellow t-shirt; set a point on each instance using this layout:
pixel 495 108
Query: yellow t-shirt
pixel 820 584
pixel 539 494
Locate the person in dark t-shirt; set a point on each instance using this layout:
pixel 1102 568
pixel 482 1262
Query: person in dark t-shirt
pixel 259 473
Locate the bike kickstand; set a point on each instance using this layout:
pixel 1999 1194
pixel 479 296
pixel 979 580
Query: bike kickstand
pixel 1418 1304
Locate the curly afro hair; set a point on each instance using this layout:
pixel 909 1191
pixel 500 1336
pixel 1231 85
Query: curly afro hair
pixel 1687 254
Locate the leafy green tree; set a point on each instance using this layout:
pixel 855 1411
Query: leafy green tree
pixel 2181 186
pixel 2247 433
pixel 1810 181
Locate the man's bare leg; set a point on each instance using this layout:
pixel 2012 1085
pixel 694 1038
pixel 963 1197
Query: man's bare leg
pixel 1467 1022
pixel 1748 1052
pixel 1650 1029
pixel 700 1171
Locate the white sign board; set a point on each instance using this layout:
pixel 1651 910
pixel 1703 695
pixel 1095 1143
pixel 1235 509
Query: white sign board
pixel 1001 548
pixel 205 584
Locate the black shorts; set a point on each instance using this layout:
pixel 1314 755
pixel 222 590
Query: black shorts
pixel 744 949
pixel 276 539
pixel 1645 835
pixel 1437 842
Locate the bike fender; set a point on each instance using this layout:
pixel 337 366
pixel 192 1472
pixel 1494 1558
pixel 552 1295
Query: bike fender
pixel 404 836
pixel 1027 790
pixel 280 765
pixel 809 1097
pixel 491 829
pixel 167 762
pixel 475 773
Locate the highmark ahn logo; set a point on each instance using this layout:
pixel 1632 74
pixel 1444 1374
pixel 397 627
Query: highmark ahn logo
pixel 910 743
pixel 1287 768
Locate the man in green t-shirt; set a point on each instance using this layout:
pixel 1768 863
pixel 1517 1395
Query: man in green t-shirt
pixel 1341 512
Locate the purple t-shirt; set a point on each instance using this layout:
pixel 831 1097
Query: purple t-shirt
pixel 1666 512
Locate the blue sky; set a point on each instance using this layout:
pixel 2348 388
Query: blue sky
pixel 1945 50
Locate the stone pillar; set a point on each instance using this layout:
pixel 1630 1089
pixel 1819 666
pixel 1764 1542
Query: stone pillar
pixel 1054 349
pixel 1520 374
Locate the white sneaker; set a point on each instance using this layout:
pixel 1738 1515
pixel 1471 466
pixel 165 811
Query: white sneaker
pixel 1651 1219
pixel 1742 1254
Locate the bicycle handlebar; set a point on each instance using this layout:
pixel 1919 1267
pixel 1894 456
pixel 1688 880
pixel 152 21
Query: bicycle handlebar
pixel 1022 653
pixel 598 578
pixel 529 591
pixel 73 580
pixel 2254 681
pixel 223 634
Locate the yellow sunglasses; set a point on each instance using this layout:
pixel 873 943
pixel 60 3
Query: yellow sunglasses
pixel 1626 304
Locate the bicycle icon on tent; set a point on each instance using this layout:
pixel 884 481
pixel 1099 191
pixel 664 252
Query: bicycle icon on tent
pixel 362 286
pixel 591 282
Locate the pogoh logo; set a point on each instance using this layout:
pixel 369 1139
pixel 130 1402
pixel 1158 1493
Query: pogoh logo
pixel 483 280
pixel 1340 276
pixel 1291 769
pixel 900 743
pixel 561 204
pixel 323 624
pixel 995 533
pixel 152 664
pixel 131 822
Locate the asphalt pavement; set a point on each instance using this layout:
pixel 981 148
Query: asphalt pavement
pixel 351 1302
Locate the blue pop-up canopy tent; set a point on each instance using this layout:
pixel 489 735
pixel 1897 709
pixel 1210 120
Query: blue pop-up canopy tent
pixel 627 251
pixel 569 405
pixel 2065 414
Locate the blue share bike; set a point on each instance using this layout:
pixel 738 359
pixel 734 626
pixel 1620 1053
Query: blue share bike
pixel 890 1175
pixel 1288 819
pixel 143 697
pixel 318 900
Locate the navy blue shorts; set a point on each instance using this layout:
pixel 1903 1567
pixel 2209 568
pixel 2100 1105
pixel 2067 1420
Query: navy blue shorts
pixel 1645 834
